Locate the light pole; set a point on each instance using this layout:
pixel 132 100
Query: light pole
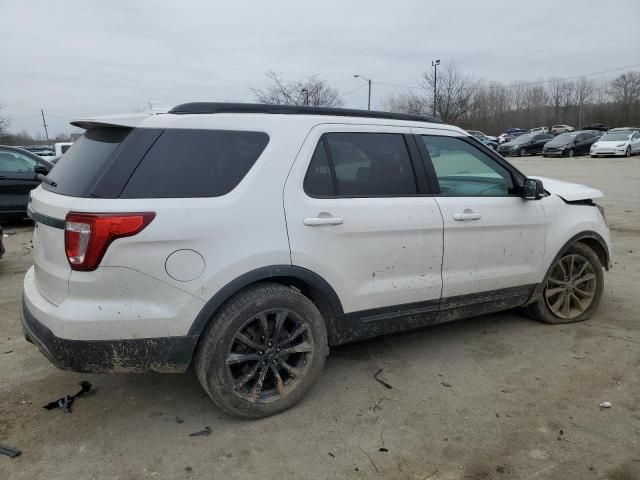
pixel 369 82
pixel 434 64
pixel 306 96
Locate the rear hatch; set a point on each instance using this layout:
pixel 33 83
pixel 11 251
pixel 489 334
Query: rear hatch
pixel 69 186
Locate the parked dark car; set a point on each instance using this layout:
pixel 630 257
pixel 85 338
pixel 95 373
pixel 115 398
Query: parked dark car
pixel 596 126
pixel 571 143
pixel 18 176
pixel 528 144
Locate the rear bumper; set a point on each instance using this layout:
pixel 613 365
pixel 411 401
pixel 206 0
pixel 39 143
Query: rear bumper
pixel 162 354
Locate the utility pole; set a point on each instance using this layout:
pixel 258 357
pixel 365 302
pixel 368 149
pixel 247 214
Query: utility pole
pixel 368 80
pixel 306 96
pixel 434 64
pixel 44 124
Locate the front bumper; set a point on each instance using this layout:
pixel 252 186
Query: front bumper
pixel 163 354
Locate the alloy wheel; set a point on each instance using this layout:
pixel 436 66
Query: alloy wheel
pixel 269 355
pixel 571 286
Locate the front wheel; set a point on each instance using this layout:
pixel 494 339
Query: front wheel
pixel 627 152
pixel 522 152
pixel 571 153
pixel 263 352
pixel 573 287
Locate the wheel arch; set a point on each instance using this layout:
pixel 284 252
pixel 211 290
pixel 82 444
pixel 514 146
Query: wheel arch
pixel 310 284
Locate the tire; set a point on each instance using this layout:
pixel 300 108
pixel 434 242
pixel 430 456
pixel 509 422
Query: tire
pixel 627 152
pixel 571 153
pixel 246 314
pixel 522 152
pixel 545 156
pixel 542 309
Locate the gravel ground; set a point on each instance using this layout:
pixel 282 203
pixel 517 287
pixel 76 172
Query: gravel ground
pixel 495 397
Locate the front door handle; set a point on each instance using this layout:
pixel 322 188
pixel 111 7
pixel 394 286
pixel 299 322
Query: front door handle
pixel 466 216
pixel 317 221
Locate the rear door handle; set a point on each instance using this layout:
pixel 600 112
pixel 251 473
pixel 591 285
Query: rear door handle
pixel 317 221
pixel 467 215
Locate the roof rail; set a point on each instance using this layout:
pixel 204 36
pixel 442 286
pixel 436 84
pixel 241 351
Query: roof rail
pixel 216 107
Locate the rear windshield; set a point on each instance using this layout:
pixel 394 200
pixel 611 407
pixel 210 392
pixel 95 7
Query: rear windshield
pixel 81 165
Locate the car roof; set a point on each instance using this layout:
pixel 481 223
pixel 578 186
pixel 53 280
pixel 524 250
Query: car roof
pixel 258 116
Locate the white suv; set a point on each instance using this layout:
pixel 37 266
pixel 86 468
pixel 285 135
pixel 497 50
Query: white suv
pixel 247 239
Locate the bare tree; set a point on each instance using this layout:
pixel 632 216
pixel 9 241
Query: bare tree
pixel 4 123
pixel 454 92
pixel 282 92
pixel 625 90
pixel 584 89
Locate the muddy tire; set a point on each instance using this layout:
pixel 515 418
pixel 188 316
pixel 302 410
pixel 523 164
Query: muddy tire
pixel 572 288
pixel 262 352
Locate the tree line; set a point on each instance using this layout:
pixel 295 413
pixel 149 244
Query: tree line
pixel 464 100
pixel 461 99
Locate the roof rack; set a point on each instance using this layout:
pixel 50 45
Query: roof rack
pixel 215 107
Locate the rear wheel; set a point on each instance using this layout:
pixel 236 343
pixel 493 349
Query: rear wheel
pixel 263 352
pixel 573 287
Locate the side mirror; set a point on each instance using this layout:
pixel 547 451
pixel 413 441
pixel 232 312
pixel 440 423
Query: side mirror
pixel 42 169
pixel 532 189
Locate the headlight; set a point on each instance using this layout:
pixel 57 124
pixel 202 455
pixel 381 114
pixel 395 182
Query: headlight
pixel 620 145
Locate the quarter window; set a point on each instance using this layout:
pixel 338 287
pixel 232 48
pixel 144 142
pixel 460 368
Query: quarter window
pixel 361 164
pixel 464 170
pixel 195 163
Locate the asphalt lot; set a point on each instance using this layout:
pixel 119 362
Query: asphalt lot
pixel 499 396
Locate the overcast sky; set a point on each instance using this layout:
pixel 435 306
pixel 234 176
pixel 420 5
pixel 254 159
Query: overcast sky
pixel 75 58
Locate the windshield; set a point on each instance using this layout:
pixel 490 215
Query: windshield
pixel 564 138
pixel 523 139
pixel 616 136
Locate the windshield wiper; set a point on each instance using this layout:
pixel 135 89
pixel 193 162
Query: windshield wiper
pixel 47 180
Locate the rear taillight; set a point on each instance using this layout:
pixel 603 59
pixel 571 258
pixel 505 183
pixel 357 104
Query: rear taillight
pixel 88 235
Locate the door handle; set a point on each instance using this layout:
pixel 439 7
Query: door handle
pixel 466 216
pixel 317 221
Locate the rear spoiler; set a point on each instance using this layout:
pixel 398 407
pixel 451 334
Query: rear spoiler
pixel 119 120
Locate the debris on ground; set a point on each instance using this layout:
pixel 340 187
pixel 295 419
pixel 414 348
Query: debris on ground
pixel 445 384
pixel 383 449
pixel 202 433
pixel 179 420
pixel 66 402
pixel 382 381
pixel 9 451
pixel 605 405
pixel 332 455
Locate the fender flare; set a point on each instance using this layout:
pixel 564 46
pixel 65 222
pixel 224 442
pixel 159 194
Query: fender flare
pixel 303 275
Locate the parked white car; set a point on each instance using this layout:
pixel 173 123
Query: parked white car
pixel 248 239
pixel 538 130
pixel 617 143
pixel 558 129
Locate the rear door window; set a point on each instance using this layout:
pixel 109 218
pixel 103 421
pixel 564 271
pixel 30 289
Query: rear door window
pixel 195 163
pixel 370 164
